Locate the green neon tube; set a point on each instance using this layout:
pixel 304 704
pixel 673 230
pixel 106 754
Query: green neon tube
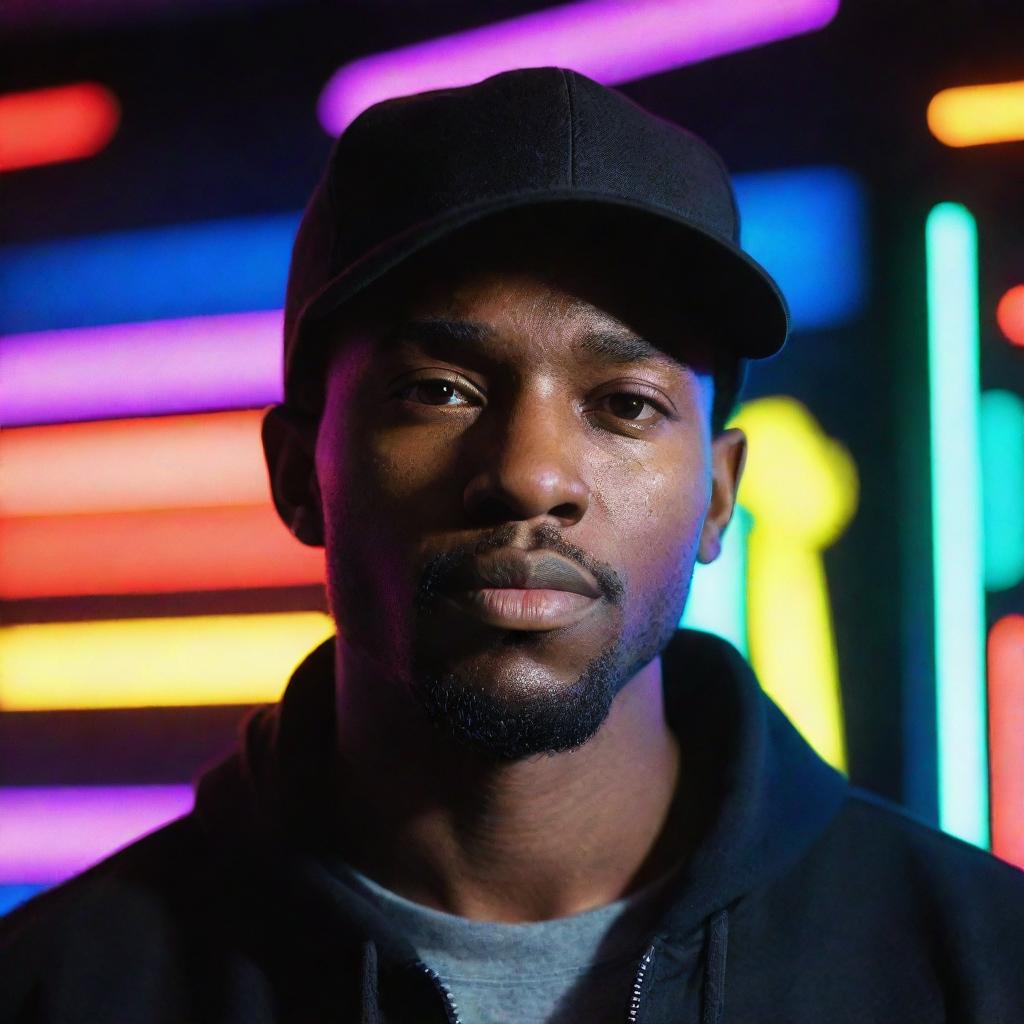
pixel 1002 462
pixel 957 541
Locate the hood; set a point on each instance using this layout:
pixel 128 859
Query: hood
pixel 769 797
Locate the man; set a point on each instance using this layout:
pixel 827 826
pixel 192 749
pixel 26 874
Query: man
pixel 510 789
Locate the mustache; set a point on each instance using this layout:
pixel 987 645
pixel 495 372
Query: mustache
pixel 438 572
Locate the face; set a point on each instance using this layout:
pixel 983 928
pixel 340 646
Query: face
pixel 515 475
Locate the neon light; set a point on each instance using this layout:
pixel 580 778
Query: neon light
pixel 201 659
pixel 224 266
pixel 12 896
pixel 795 221
pixel 52 833
pixel 801 489
pixel 806 226
pixel 1002 461
pixel 957 546
pixel 1010 315
pixel 1006 731
pixel 49 126
pixel 718 594
pixel 156 552
pixel 974 115
pixel 611 41
pixel 122 465
pixel 168 366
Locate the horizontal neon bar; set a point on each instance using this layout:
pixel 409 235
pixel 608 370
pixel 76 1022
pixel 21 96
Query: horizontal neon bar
pixel 52 833
pixel 797 222
pixel 201 659
pixel 957 544
pixel 611 41
pixel 1002 463
pixel 12 896
pixel 167 366
pixel 156 552
pixel 49 126
pixel 183 270
pixel 807 227
pixel 1010 315
pixel 121 465
pixel 975 115
pixel 1006 730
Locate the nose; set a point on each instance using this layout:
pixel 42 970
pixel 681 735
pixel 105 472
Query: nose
pixel 529 457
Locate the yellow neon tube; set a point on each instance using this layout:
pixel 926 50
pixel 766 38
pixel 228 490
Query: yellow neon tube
pixel 801 490
pixel 203 659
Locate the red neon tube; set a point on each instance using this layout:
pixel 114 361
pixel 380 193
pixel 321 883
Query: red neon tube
pixel 1006 737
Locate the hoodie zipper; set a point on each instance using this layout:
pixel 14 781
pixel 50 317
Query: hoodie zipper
pixel 451 1008
pixel 638 985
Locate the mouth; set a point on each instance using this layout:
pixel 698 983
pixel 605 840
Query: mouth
pixel 527 609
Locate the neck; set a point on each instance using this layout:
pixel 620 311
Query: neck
pixel 529 840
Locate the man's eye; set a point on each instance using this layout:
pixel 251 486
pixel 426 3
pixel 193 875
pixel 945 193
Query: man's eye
pixel 436 391
pixel 628 405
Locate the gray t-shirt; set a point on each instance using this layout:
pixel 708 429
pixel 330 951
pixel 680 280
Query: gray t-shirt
pixel 569 969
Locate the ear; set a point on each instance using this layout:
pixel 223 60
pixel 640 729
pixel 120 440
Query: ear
pixel 289 445
pixel 728 457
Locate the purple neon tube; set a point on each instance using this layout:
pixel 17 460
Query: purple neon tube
pixel 611 41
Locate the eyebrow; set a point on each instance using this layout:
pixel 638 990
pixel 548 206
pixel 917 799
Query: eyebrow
pixel 612 345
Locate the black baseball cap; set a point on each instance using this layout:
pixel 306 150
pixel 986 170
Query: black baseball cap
pixel 412 170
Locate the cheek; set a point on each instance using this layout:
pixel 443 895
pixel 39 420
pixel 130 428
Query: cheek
pixel 657 512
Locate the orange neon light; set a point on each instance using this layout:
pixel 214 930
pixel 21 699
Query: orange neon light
pixel 47 126
pixel 1006 737
pixel 123 465
pixel 152 552
pixel 1010 315
pixel 977 115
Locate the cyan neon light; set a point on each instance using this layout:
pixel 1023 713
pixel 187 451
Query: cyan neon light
pixel 718 593
pixel 50 833
pixel 806 226
pixel 611 41
pixel 1002 461
pixel 194 364
pixel 957 545
pixel 226 266
pixel 801 489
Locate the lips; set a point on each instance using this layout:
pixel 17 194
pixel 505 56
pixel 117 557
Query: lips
pixel 524 590
pixel 516 569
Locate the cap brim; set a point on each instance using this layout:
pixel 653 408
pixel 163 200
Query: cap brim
pixel 748 311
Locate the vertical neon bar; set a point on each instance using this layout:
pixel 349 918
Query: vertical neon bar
pixel 1006 732
pixel 957 544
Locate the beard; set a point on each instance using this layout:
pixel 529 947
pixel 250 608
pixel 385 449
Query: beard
pixel 509 727
pixel 509 722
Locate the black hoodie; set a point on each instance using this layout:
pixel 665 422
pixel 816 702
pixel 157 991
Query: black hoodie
pixel 806 899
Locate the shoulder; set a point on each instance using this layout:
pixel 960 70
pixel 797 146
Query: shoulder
pixel 887 837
